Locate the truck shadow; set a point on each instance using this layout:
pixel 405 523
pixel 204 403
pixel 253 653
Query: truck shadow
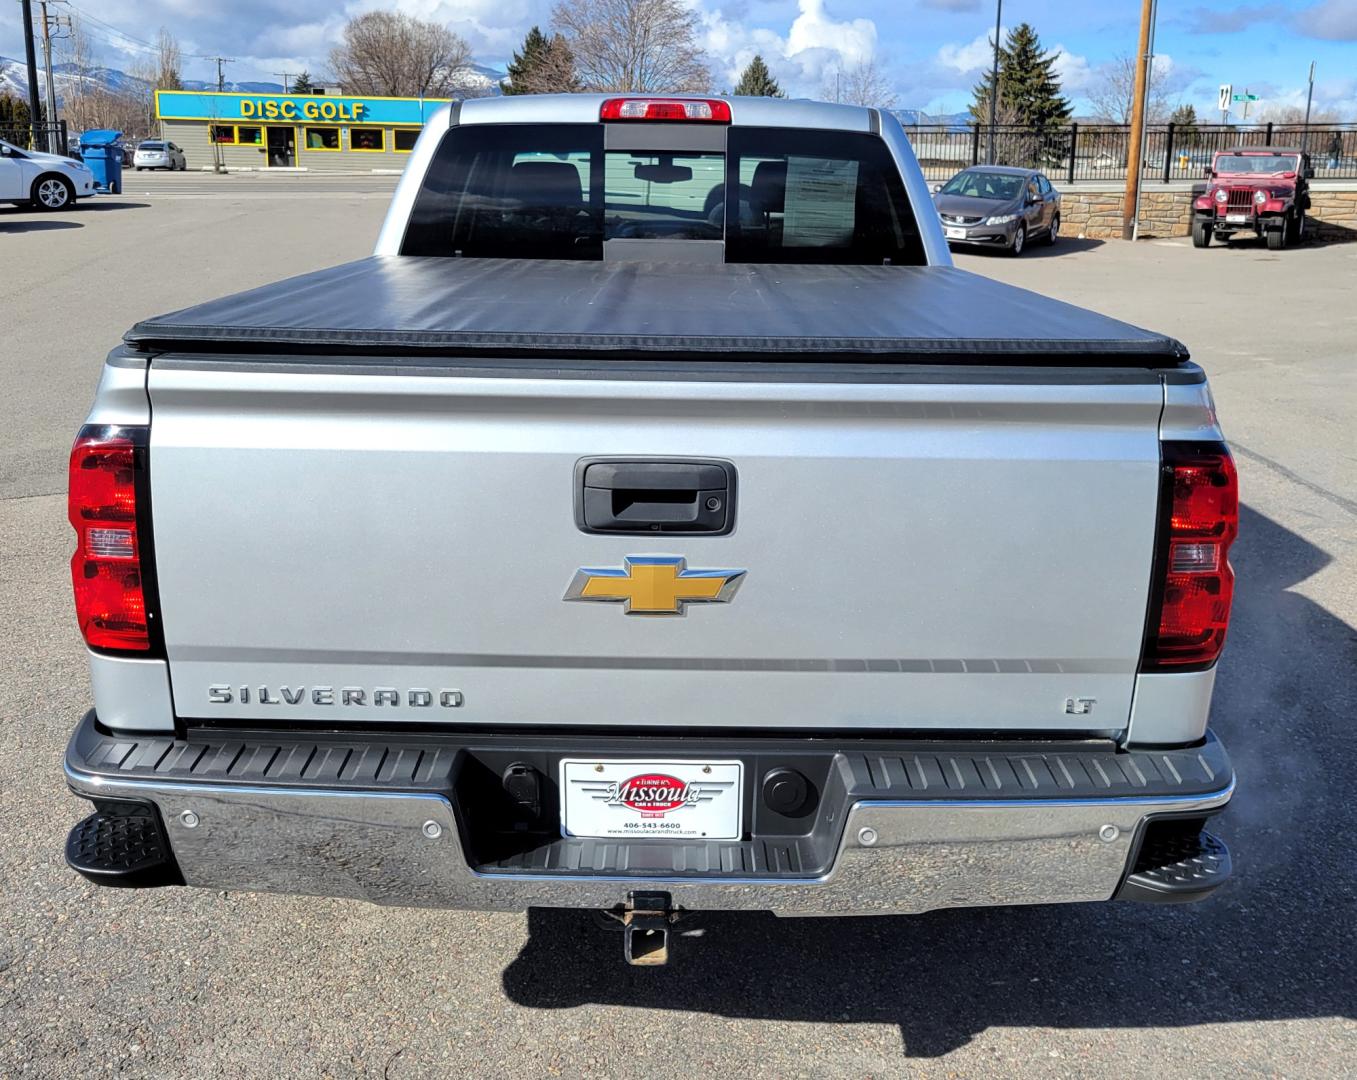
pixel 22 225
pixel 1271 945
pixel 20 219
pixel 1036 249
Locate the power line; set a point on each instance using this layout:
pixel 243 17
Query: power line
pixel 285 75
pixel 130 40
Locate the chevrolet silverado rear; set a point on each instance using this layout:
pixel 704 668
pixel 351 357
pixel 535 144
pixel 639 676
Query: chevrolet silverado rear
pixel 656 522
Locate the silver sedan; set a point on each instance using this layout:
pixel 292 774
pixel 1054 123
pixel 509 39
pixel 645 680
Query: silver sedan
pixel 159 154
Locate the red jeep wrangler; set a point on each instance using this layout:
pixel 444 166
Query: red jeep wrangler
pixel 1260 190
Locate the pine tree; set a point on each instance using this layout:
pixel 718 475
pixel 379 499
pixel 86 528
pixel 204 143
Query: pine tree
pixel 758 81
pixel 1029 92
pixel 1184 121
pixel 544 65
pixel 1029 97
pixel 14 118
pixel 524 63
pixel 302 84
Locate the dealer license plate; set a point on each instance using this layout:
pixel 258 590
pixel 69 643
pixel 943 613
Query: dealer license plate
pixel 680 800
pixel 954 234
pixel 1236 219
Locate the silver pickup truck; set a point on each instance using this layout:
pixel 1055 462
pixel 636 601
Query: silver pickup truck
pixel 657 522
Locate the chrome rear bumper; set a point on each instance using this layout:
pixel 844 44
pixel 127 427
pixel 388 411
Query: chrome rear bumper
pixel 892 855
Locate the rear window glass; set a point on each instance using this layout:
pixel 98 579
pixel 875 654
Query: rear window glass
pixel 663 196
pixel 817 197
pixel 1255 163
pixel 979 184
pixel 151 146
pixel 555 192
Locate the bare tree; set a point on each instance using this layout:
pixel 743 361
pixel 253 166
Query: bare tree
pixel 861 84
pixel 645 46
pixel 1113 95
pixel 143 70
pixel 82 96
pixel 87 102
pixel 391 54
pixel 1293 116
pixel 169 62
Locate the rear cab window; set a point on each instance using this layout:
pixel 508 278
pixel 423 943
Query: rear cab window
pixel 746 194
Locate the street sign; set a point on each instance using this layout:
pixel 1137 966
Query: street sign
pixel 1225 91
pixel 1245 97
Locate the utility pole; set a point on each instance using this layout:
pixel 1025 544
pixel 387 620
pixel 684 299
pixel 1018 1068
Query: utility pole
pixel 34 109
pixel 1145 128
pixel 1309 97
pixel 49 22
pixel 994 78
pixel 221 77
pixel 285 75
pixel 1137 134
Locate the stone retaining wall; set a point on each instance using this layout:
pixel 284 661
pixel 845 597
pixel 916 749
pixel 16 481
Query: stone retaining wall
pixel 1097 214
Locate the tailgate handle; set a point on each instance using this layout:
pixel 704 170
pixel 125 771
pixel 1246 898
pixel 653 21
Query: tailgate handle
pixel 643 497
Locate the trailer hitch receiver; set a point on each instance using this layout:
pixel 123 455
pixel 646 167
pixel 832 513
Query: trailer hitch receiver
pixel 645 928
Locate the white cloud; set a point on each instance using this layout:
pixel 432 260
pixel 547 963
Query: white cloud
pixel 976 56
pixel 1074 71
pixel 814 28
pixel 816 44
pixel 973 56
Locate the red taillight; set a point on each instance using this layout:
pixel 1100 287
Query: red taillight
pixel 110 600
pixel 1193 587
pixel 702 110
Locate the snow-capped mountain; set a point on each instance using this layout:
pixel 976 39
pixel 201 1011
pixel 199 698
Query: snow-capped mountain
pixel 14 78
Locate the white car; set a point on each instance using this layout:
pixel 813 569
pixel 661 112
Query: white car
pixel 159 154
pixel 47 181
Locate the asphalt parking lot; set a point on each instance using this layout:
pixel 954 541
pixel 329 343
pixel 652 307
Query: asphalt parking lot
pixel 1259 981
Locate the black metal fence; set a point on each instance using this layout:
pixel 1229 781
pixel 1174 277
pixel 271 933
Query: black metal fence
pixel 1091 152
pixel 50 138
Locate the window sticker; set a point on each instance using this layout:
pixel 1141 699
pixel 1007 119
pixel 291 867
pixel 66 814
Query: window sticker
pixel 820 202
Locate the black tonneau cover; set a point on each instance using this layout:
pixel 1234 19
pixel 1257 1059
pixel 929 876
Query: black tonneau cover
pixel 505 307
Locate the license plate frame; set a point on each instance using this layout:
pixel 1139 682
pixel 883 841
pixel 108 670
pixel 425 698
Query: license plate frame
pixel 597 803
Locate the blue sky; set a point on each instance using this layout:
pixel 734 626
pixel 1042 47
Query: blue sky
pixel 932 51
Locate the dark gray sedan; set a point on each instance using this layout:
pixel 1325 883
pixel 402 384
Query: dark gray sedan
pixel 997 206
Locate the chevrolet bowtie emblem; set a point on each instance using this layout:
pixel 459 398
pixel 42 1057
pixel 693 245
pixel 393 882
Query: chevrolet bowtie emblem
pixel 654 585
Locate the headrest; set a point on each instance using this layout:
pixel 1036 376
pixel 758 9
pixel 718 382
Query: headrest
pixel 545 184
pixel 769 186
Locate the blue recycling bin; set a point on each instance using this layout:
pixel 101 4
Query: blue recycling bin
pixel 103 153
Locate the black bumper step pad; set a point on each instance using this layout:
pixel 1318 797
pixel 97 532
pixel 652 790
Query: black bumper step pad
pixel 880 768
pixel 124 848
pixel 1175 869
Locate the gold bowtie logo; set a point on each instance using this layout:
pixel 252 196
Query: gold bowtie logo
pixel 654 585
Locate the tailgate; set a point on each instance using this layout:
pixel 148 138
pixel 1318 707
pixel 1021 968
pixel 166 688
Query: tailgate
pixel 936 549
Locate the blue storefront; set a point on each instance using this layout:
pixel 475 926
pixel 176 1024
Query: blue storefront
pixel 337 133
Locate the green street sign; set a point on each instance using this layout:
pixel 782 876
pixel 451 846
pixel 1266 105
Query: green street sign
pixel 1246 97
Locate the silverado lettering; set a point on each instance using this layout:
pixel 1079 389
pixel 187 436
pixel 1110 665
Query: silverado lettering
pixel 224 694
